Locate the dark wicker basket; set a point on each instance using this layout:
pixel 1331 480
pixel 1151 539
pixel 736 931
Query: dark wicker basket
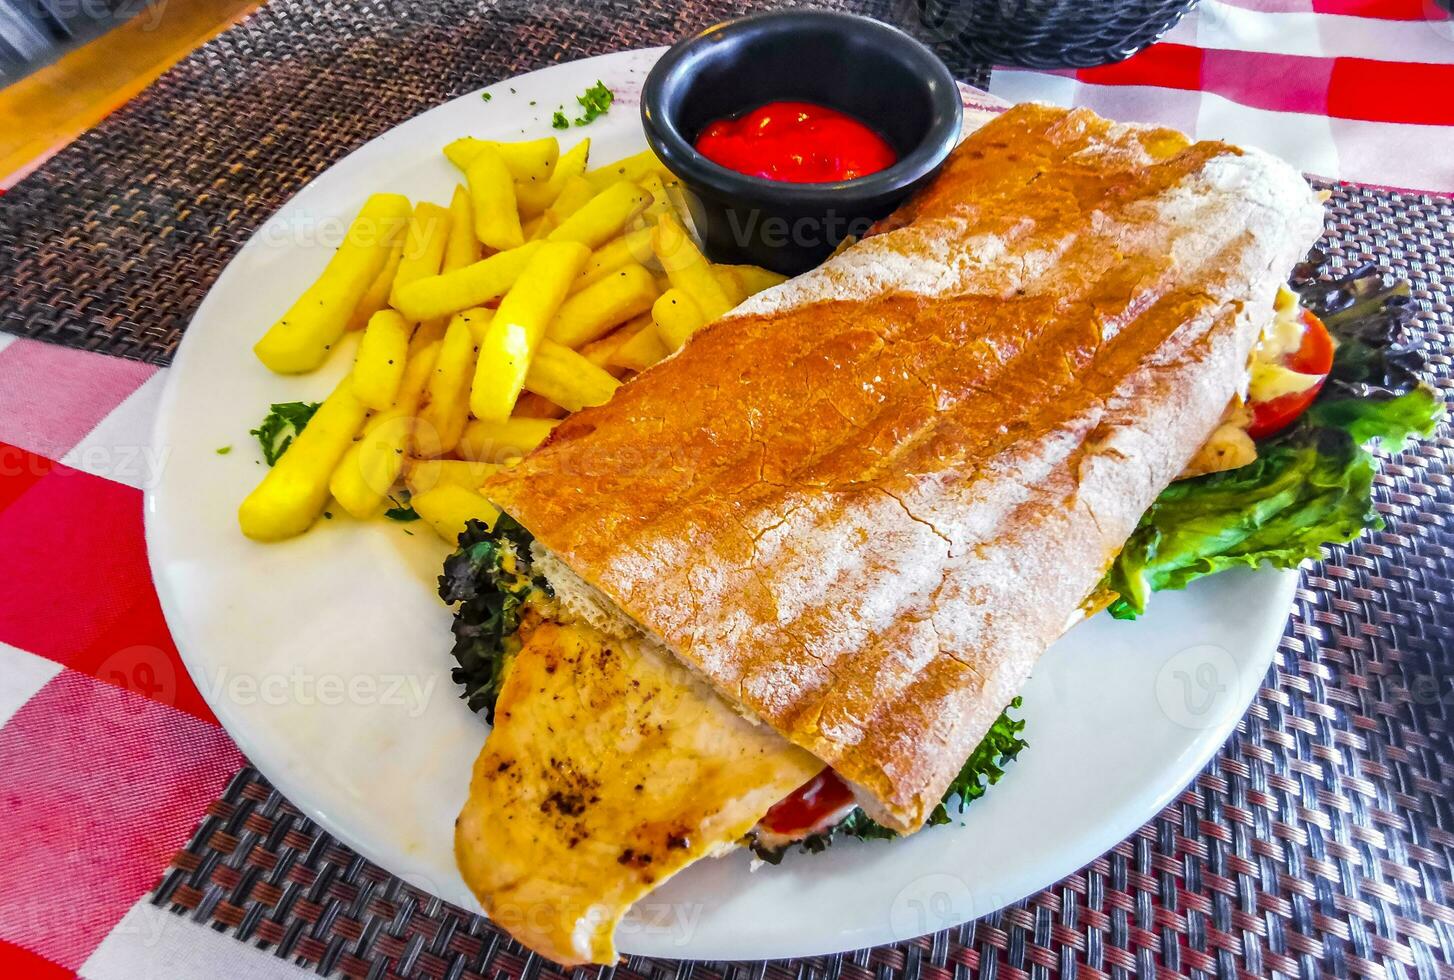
pixel 1049 33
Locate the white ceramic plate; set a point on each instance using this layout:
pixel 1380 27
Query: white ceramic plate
pixel 327 657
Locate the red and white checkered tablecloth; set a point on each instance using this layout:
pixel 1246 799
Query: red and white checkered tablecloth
pixel 1362 90
pixel 108 754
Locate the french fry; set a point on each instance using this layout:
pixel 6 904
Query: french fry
pixel 500 442
pixel 634 246
pixel 461 151
pixel 688 270
pixel 474 285
pixel 448 507
pixel 424 246
pixel 423 475
pixel 532 198
pixel 518 326
pixel 462 248
pixel 537 227
pixel 531 406
pixel 364 476
pixel 479 322
pixel 503 442
pixel 660 203
pixel 377 295
pixel 595 310
pixel 572 163
pixel 301 339
pixel 492 193
pixel 535 196
pixel 382 354
pixel 753 278
pixel 676 317
pixel 639 351
pixel 568 379
pixel 295 491
pixel 445 406
pixel 424 251
pixel 528 159
pixel 524 158
pixel 576 194
pixel 428 332
pixel 631 168
pixel 599 352
pixel 603 216
pixel 742 281
pixel 732 286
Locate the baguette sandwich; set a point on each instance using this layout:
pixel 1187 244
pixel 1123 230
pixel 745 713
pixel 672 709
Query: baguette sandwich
pixel 839 527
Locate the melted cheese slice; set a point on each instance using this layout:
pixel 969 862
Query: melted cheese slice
pixel 609 769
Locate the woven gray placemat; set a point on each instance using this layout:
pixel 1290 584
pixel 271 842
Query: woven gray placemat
pixel 113 243
pixel 1319 840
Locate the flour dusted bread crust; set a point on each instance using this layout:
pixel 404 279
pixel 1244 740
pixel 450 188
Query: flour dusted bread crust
pixel 864 503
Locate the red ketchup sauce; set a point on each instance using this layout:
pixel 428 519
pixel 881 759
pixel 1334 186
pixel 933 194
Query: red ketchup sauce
pixel 796 142
pixel 808 805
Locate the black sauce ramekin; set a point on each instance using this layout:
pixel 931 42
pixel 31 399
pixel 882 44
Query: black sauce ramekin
pixel 853 64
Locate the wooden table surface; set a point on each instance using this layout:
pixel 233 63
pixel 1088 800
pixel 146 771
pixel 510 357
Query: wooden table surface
pixel 45 110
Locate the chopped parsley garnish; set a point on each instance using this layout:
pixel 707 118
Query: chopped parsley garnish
pixel 223 450
pixel 486 96
pixel 559 121
pixel 595 101
pixel 283 422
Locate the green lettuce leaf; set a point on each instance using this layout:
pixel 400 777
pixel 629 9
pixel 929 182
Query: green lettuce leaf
pixel 1390 419
pixel 1312 484
pixel 1281 509
pixel 984 767
pixel 1309 487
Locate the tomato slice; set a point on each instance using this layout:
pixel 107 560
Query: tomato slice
pixel 1313 356
pixel 806 807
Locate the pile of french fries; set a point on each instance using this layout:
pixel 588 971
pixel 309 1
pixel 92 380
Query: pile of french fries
pixel 539 290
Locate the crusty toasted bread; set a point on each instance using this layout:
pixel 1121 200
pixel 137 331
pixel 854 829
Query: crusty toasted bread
pixel 864 503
